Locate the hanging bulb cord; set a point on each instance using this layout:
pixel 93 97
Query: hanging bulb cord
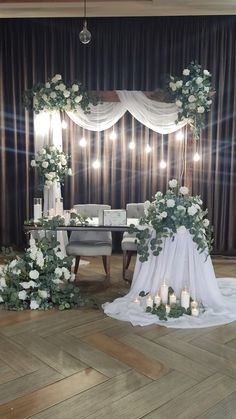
pixel 85 10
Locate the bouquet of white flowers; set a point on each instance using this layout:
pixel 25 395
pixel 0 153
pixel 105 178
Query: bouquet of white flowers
pixel 192 95
pixel 56 95
pixel 168 214
pixel 40 279
pixel 52 164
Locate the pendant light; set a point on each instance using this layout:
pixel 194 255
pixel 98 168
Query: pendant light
pixel 85 36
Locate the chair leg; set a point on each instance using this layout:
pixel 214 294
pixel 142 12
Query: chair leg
pixel 126 261
pixel 124 264
pixel 106 264
pixel 77 260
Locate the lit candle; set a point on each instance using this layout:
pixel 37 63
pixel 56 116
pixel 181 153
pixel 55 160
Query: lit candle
pixel 136 300
pixel 185 299
pixel 167 309
pixel 172 299
pixel 164 293
pixel 37 208
pixel 157 300
pixel 194 304
pixel 149 301
pixel 195 311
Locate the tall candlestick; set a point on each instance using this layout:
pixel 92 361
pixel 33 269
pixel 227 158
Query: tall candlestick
pixel 185 299
pixel 164 293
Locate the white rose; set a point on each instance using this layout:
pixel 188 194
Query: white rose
pixel 200 109
pixel 181 229
pixel 206 222
pixel 69 172
pixel 47 85
pixel 163 214
pixel 33 163
pixel 158 194
pixel 170 203
pixel 58 272
pixel 43 151
pixel 209 102
pixel 206 89
pixel 22 295
pixel 66 93
pixel 183 190
pixel 1 299
pixel 199 80
pixel 191 99
pixel 179 103
pixel 57 77
pixel 34 274
pixel 66 273
pixel 53 95
pixel 3 283
pixel 173 183
pixel 179 84
pixel 186 72
pixel 25 285
pixel 34 305
pixel 43 294
pixel 45 164
pixel 206 73
pixel 78 99
pixel 61 87
pixel 192 210
pixel 13 263
pixel 75 87
pixel 146 206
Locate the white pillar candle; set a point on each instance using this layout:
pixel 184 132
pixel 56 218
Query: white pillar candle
pixel 59 206
pixel 164 293
pixel 136 300
pixel 37 208
pixel 157 300
pixel 172 299
pixel 51 212
pixel 194 304
pixel 185 299
pixel 149 301
pixel 195 311
pixel 67 217
pixel 167 309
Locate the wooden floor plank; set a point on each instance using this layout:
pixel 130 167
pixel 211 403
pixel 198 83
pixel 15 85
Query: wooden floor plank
pixel 197 399
pixel 99 397
pixel 134 358
pixel 224 409
pixel 48 396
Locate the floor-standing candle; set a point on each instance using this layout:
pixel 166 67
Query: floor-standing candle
pixel 164 293
pixel 157 300
pixel 185 299
pixel 194 304
pixel 172 299
pixel 149 301
pixel 37 208
pixel 195 311
pixel 167 309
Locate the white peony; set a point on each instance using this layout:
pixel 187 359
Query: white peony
pixel 183 190
pixel 199 80
pixel 33 163
pixel 206 222
pixel 192 210
pixel 163 214
pixel 61 87
pixel 66 93
pixel 45 164
pixel 206 73
pixel 75 87
pixel 200 109
pixel 34 274
pixel 186 72
pixel 22 295
pixel 58 272
pixel 181 229
pixel 191 98
pixel 179 103
pixel 173 183
pixel 34 305
pixel 43 294
pixel 170 203
pixel 78 99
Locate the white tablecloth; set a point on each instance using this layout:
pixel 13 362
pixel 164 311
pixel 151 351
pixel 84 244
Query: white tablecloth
pixel 180 265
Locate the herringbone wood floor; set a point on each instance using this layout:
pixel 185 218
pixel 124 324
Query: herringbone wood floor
pixel 82 364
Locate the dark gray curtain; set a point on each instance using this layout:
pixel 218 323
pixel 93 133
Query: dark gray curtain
pixel 125 53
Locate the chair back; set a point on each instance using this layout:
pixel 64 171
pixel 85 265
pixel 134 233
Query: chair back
pixel 135 210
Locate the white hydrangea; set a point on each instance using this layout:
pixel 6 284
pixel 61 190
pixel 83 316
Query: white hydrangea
pixel 34 274
pixel 173 183
pixel 170 203
pixel 43 294
pixel 34 305
pixel 22 295
pixel 184 190
pixel 192 210
pixel 186 72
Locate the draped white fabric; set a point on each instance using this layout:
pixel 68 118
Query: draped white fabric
pixel 179 263
pixel 158 116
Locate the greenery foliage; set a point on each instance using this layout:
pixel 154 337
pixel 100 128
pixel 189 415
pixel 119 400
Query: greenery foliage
pixel 52 223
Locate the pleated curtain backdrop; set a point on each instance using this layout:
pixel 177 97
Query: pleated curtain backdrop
pixel 131 54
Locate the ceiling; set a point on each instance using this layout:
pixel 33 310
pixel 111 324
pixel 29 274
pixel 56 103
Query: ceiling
pixel 65 8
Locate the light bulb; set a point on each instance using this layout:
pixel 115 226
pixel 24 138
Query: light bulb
pixel 132 145
pixel 64 124
pixel 163 164
pixel 179 136
pixel 83 142
pixel 113 135
pixel 196 157
pixel 96 164
pixel 85 36
pixel 148 148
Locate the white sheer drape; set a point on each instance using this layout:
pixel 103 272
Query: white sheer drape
pixel 158 116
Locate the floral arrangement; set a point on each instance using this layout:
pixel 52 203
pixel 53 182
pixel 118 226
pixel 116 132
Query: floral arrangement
pixel 168 214
pixel 192 95
pixel 56 95
pixel 52 164
pixel 40 279
pixel 52 223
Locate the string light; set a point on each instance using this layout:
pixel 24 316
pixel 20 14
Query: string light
pixel 132 145
pixel 96 164
pixel 82 142
pixel 148 148
pixel 113 135
pixel 63 124
pixel 163 164
pixel 179 136
pixel 196 157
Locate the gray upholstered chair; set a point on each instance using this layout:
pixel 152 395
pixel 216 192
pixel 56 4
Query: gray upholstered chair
pixel 91 243
pixel 128 244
